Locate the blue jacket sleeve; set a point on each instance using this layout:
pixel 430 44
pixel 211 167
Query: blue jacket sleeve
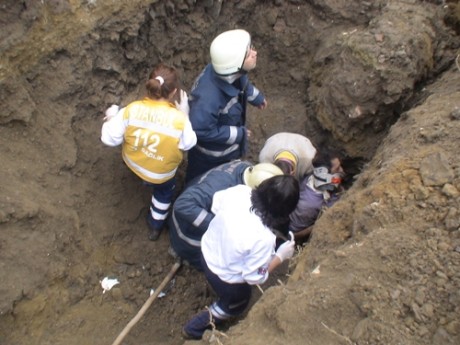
pixel 204 116
pixel 255 96
pixel 192 207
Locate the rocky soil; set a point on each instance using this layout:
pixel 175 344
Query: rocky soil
pixel 377 80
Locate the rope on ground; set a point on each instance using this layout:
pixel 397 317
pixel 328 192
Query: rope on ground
pixel 147 304
pixel 337 334
pixel 215 334
pixel 260 289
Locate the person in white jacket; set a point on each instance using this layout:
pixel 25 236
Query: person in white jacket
pixel 153 133
pixel 238 249
pixel 291 152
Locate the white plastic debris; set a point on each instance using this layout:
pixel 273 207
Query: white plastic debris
pixel 108 283
pixel 316 270
pixel 161 294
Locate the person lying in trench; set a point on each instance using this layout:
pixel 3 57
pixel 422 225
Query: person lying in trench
pixel 318 191
pixel 191 212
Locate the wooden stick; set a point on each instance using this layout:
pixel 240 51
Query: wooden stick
pixel 147 304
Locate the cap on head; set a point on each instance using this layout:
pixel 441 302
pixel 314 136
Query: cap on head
pixel 324 180
pixel 228 51
pixel 255 175
pixel 289 158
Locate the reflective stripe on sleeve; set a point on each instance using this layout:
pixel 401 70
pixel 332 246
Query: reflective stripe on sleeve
pixel 181 235
pixel 233 135
pixel 198 220
pixel 254 94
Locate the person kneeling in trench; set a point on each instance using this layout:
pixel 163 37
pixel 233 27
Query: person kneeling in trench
pixel 238 249
pixel 191 212
pixel 291 152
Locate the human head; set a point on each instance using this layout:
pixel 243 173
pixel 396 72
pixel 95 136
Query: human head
pixel 163 82
pixel 287 162
pixel 229 52
pixel 327 172
pixel 255 175
pixel 275 199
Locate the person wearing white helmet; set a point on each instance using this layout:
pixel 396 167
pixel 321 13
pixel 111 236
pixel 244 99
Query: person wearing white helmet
pixel 218 102
pixel 239 247
pixel 191 212
pixel 318 191
pixel 291 152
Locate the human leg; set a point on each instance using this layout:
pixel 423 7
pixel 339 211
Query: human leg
pixel 232 301
pixel 160 203
pixel 182 244
pixel 198 164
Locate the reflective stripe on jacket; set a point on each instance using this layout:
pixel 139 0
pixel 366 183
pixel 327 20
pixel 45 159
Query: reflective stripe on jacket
pixel 218 114
pixel 151 140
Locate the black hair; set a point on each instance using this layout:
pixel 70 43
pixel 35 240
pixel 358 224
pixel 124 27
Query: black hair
pixel 285 167
pixel 274 200
pixel 322 160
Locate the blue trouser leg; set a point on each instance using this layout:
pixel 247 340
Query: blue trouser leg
pixel 232 298
pixel 186 250
pixel 199 163
pixel 160 203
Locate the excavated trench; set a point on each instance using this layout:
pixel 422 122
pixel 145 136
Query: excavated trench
pixel 74 214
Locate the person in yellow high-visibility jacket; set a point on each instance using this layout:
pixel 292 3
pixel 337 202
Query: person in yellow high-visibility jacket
pixel 153 133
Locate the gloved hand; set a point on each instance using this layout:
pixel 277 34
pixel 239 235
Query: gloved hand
pixel 111 112
pixel 183 105
pixel 286 250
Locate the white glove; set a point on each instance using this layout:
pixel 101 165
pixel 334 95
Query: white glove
pixel 111 112
pixel 183 105
pixel 286 250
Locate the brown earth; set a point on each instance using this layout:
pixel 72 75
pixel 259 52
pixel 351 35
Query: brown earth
pixel 377 80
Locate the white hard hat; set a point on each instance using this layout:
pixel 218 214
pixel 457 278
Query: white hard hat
pixel 228 51
pixel 255 175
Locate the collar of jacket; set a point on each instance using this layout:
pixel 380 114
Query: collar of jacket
pixel 225 86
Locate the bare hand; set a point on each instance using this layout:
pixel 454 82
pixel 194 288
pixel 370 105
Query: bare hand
pixel 263 105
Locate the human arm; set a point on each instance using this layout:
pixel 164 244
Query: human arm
pixel 188 138
pixel 193 206
pixel 303 234
pixel 256 97
pixel 113 129
pixel 284 252
pixel 263 105
pixel 210 125
pixel 183 105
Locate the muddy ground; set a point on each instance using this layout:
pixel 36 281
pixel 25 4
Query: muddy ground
pixel 377 80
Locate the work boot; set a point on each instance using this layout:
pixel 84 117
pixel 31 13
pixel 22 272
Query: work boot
pixel 154 233
pixel 195 328
pixel 173 253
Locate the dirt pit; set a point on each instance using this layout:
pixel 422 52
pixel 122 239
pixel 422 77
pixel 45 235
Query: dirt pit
pixel 378 81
